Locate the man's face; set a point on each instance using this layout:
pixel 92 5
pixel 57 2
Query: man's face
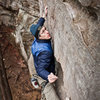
pixel 44 34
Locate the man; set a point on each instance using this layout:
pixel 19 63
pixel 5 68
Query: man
pixel 42 51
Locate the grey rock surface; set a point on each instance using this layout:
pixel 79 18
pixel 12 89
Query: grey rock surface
pixel 76 36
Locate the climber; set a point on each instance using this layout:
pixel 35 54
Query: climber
pixel 42 50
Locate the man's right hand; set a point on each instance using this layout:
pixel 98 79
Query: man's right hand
pixel 52 78
pixel 45 12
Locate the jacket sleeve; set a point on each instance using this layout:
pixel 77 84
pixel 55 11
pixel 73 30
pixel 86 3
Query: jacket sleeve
pixel 41 21
pixel 43 63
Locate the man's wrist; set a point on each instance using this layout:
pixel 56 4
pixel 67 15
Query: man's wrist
pixel 44 16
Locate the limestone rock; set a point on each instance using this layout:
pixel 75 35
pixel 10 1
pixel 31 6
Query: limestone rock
pixel 75 31
pixel 85 2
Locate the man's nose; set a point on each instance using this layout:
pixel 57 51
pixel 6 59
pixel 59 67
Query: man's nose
pixel 46 31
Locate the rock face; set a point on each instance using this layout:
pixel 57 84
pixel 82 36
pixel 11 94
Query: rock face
pixel 75 28
pixel 20 14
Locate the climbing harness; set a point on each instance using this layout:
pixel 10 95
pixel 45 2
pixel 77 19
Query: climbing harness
pixel 43 84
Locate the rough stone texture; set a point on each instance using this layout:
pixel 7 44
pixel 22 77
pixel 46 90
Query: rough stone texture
pixel 75 28
pixel 20 14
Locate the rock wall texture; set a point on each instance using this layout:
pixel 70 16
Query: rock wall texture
pixel 75 28
pixel 20 14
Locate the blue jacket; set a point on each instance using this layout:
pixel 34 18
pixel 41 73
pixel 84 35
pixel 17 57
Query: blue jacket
pixel 43 57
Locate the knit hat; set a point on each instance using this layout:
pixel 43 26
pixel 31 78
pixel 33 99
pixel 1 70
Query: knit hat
pixel 35 29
